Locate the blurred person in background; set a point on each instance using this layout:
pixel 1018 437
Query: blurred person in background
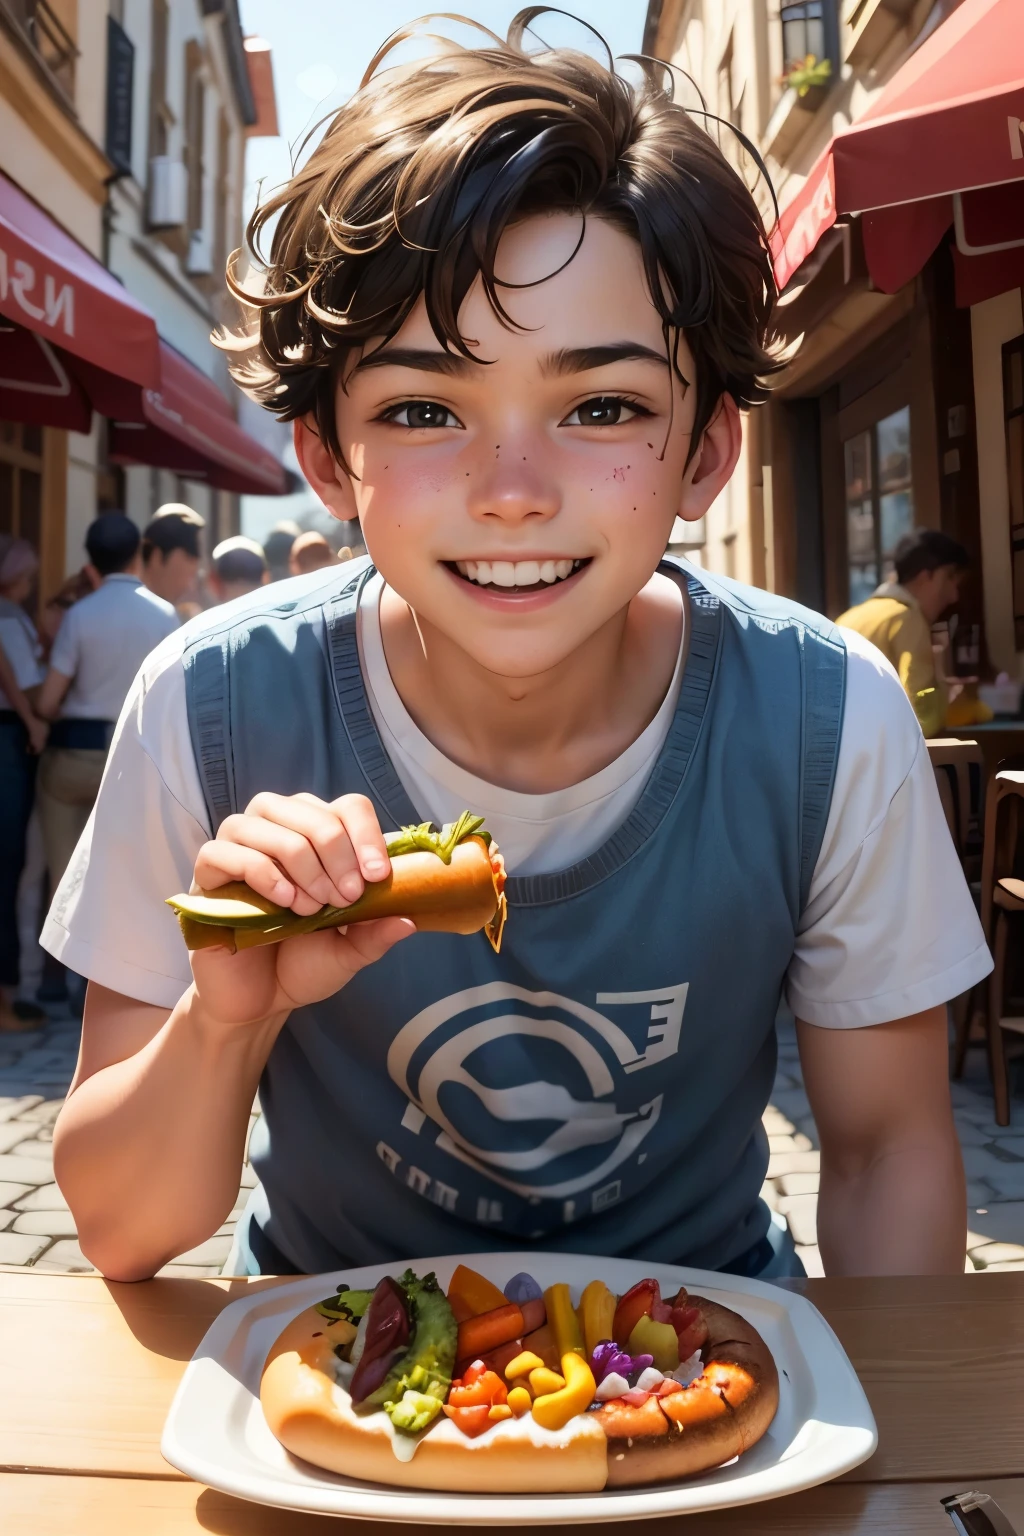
pixel 238 566
pixel 101 644
pixel 277 547
pixel 22 737
pixel 171 552
pixel 899 615
pixel 310 552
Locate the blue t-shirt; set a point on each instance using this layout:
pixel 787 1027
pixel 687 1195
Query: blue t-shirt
pixel 599 1085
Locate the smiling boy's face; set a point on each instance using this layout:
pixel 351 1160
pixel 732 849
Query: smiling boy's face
pixel 519 503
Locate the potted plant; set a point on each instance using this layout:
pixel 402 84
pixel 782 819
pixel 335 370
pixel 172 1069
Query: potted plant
pixel 809 78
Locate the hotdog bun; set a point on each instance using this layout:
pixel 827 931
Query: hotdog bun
pixel 313 1417
pixel 669 1438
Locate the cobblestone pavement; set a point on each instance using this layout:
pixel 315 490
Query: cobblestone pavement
pixel 37 1229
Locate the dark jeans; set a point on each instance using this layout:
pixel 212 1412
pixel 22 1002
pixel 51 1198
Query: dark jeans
pixel 17 780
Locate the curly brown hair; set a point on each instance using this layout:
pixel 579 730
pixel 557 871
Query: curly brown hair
pixel 416 178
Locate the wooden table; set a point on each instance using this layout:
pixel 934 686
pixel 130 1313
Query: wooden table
pixel 88 1369
pixel 997 739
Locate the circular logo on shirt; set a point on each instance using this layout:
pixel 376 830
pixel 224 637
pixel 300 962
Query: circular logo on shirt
pixel 534 1089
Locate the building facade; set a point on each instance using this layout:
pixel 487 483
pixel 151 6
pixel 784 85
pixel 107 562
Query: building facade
pixel 123 126
pixel 890 411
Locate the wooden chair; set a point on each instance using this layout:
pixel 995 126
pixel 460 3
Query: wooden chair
pixel 960 776
pixel 1002 894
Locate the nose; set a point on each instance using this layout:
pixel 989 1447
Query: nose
pixel 512 491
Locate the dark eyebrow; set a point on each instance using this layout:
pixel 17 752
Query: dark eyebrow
pixel 582 359
pixel 422 359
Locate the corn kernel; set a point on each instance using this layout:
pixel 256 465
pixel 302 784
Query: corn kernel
pixel 520 1401
pixel 500 1411
pixel 543 1381
pixel 525 1362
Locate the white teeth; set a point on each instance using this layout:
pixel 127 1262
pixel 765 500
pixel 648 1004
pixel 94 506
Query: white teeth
pixel 516 573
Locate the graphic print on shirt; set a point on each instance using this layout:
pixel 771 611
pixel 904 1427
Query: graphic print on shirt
pixel 542 1095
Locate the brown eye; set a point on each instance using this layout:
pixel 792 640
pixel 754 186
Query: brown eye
pixel 602 411
pixel 421 414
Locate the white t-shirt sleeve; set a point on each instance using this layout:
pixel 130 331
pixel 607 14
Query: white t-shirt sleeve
pixel 890 927
pixel 65 650
pixel 22 652
pixel 109 920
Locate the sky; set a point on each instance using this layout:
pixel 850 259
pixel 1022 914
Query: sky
pixel 320 49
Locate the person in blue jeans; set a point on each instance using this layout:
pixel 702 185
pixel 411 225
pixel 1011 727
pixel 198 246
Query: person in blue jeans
pixel 22 738
pixel 514 306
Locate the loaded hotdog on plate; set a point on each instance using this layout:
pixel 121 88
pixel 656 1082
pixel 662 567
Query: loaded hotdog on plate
pixel 521 1391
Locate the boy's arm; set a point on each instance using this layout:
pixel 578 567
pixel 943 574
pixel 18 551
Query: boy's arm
pixel 148 1146
pixel 892 1198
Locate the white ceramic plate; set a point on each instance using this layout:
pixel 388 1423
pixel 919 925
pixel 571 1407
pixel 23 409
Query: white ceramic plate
pixel 216 1433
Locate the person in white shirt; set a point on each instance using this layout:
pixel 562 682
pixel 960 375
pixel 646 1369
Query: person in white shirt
pixel 100 646
pixel 22 735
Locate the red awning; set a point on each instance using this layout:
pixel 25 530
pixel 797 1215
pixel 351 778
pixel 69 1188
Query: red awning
pixel 52 287
pixel 187 425
pixel 948 122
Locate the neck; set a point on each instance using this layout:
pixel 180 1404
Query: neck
pixel 544 732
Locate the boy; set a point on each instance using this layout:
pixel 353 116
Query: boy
pixel 513 307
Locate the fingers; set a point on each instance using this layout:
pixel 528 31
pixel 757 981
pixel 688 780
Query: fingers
pixel 316 965
pixel 298 851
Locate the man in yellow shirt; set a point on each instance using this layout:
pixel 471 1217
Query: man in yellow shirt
pixel 898 617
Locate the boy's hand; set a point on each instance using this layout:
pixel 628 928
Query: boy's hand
pixel 302 853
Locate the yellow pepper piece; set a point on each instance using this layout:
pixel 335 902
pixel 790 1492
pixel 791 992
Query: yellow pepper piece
pixel 523 1364
pixel 562 1321
pixel 520 1401
pixel 657 1339
pixel 555 1409
pixel 500 1411
pixel 597 1306
pixel 542 1380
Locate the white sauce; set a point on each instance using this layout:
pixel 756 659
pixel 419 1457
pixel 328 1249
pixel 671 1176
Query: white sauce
pixel 404 1446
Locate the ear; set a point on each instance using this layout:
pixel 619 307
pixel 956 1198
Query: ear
pixel 326 476
pixel 711 466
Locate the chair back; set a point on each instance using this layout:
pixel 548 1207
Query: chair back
pixel 1004 802
pixel 960 776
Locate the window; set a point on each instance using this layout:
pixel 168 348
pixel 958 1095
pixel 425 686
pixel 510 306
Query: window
pixel 49 37
pixel 195 132
pixel 804 31
pixel 160 117
pixel 879 499
pixel 1013 407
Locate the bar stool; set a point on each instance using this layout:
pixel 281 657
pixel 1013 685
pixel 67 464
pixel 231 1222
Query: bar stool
pixel 960 777
pixel 1002 894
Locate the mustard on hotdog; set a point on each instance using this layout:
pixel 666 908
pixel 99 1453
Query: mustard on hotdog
pixel 521 1391
pixel 451 881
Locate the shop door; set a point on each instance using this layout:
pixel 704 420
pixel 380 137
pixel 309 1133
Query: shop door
pixel 21 483
pixel 879 499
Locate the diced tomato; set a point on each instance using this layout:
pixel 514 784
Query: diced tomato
pixel 691 1330
pixel 661 1311
pixel 474 1369
pixel 636 1303
pixel 486 1389
pixel 472 1421
pixel 635 1397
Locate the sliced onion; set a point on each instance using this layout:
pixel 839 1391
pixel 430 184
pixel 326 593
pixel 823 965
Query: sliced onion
pixel 613 1385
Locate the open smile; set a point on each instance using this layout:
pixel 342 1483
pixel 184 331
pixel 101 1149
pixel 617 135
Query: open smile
pixel 515 578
